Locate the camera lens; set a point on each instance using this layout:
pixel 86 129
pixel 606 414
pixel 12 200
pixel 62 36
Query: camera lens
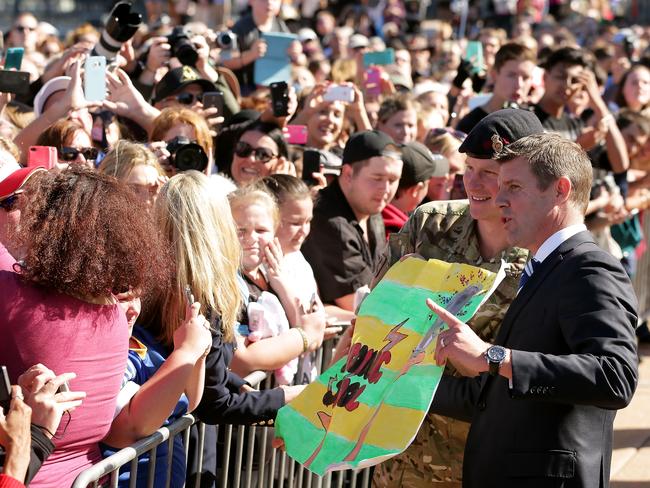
pixel 190 156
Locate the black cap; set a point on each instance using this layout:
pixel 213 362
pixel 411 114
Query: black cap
pixel 499 129
pixel 420 164
pixel 369 144
pixel 178 78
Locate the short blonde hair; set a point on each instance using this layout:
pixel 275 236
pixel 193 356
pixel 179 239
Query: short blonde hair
pixel 201 232
pixel 9 146
pixel 124 156
pixel 444 144
pixel 255 194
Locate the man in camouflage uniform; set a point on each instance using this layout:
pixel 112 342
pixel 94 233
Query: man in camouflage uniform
pixel 468 232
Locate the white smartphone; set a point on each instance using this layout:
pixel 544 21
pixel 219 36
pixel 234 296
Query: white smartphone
pixel 339 93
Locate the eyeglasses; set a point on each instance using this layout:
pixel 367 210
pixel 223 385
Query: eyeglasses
pixel 262 154
pixel 9 203
pixel 448 130
pixel 188 98
pixel 23 28
pixel 71 153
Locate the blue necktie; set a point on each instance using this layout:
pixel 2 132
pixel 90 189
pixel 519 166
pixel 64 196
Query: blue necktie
pixel 529 269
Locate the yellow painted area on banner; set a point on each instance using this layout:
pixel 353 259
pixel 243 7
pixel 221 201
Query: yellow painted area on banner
pixel 311 404
pixel 394 427
pixel 428 275
pixel 374 336
pixel 350 426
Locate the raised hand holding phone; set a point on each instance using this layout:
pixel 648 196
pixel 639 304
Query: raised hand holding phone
pixel 95 78
pixel 193 336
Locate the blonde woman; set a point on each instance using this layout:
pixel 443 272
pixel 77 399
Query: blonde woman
pixel 198 227
pixel 136 166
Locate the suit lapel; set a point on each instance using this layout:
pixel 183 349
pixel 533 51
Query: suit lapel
pixel 538 278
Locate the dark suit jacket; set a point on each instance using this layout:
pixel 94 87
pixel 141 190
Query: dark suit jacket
pixel 574 362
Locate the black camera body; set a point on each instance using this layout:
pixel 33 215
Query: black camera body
pixel 186 155
pixel 181 46
pixel 121 26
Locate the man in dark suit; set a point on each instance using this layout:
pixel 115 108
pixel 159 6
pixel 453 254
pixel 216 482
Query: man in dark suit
pixel 543 398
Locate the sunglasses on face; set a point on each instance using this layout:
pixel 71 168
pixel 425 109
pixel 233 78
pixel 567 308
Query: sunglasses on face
pixel 71 153
pixel 188 98
pixel 106 116
pixel 9 203
pixel 448 130
pixel 263 154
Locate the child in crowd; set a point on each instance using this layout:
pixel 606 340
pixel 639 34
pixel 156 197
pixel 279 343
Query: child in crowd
pixel 265 271
pixel 158 390
pixel 296 211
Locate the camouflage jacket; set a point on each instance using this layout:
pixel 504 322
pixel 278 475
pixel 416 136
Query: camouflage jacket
pixel 446 231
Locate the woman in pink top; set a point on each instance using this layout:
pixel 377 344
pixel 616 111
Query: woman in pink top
pixel 82 236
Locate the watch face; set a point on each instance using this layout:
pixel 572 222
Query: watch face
pixel 496 354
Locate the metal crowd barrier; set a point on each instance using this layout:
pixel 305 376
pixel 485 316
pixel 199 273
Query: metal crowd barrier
pixel 246 458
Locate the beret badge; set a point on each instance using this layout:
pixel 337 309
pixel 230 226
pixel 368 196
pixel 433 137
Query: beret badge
pixel 497 143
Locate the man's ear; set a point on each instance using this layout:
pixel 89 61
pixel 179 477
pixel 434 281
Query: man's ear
pixel 563 189
pixel 416 189
pixel 346 172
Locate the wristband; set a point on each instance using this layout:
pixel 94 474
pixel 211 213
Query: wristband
pixel 305 341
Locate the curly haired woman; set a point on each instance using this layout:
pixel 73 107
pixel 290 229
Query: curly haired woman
pixel 83 237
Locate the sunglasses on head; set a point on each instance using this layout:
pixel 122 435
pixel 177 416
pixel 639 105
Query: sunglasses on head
pixel 263 154
pixel 188 98
pixel 448 130
pixel 71 153
pixel 9 203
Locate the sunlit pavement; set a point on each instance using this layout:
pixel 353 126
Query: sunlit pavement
pixel 631 456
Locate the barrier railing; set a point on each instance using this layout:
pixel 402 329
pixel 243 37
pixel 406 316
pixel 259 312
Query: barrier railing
pixel 246 458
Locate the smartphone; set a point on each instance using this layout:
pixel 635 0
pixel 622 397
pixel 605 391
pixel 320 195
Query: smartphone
pixel 14 58
pixel 474 54
pixel 44 156
pixel 280 98
pixel 189 297
pixel 373 81
pixel 5 389
pixel 458 188
pixel 380 58
pixel 95 78
pixel 310 164
pixel 14 82
pixel 339 93
pixel 214 99
pixel 297 134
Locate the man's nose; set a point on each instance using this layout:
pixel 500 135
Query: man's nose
pixel 500 199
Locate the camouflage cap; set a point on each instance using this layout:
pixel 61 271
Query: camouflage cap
pixel 497 130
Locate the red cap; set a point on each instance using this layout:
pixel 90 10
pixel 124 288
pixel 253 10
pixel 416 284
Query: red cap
pixel 16 180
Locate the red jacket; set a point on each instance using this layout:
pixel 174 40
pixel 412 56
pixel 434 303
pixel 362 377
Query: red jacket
pixel 394 219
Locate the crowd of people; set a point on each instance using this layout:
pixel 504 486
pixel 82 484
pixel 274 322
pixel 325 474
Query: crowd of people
pixel 169 246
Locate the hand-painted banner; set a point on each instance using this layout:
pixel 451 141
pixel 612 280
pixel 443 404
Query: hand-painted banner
pixel 369 406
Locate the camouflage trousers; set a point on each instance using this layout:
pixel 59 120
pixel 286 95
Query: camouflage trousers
pixel 435 456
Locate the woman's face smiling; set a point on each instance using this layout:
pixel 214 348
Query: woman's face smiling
pixel 249 168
